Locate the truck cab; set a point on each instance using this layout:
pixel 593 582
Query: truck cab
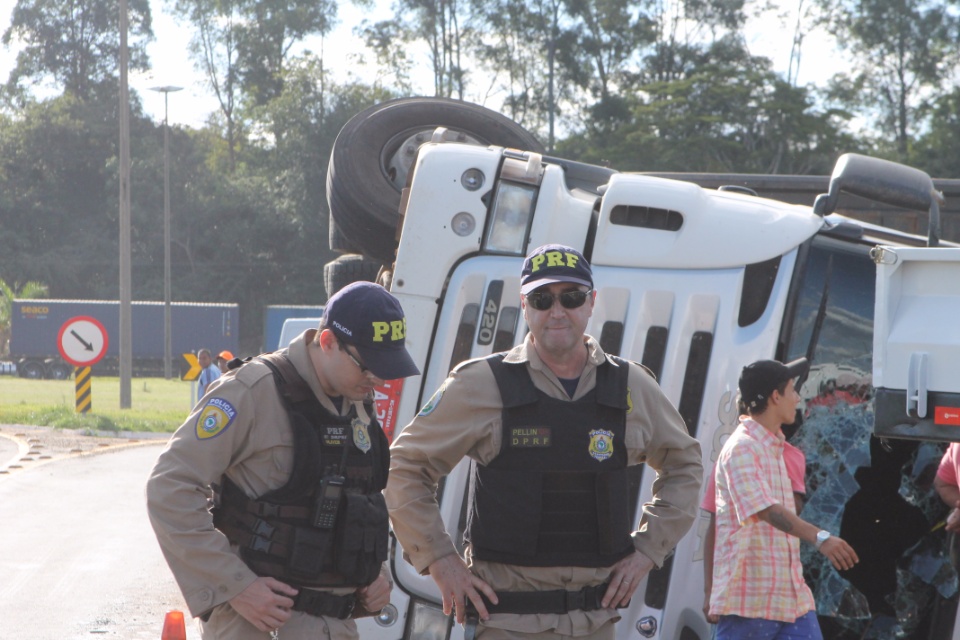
pixel 695 283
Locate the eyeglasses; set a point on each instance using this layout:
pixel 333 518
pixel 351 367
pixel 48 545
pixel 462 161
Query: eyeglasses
pixel 360 365
pixel 543 300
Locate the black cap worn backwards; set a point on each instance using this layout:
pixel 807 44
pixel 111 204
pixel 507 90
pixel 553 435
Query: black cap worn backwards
pixel 758 380
pixel 366 316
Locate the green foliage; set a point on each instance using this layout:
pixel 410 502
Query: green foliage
pixel 731 113
pixel 8 293
pixel 76 43
pixel 904 50
pixel 938 150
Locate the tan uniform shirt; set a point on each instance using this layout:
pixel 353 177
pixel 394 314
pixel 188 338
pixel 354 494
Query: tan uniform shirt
pixel 464 419
pixel 254 448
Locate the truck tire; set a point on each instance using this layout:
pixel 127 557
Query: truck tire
pixel 32 369
pixel 347 269
pixel 375 150
pixel 61 371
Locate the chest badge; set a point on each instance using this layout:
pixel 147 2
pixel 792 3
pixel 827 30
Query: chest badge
pixel 601 444
pixel 361 435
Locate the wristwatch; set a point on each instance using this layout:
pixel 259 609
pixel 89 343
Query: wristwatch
pixel 822 536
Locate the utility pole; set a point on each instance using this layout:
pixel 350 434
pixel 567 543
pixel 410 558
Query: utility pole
pixel 126 322
pixel 167 340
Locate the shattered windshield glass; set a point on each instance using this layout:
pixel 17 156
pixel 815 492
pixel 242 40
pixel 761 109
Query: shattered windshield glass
pixel 878 496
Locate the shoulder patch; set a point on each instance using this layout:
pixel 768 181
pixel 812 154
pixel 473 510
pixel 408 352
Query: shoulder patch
pixel 629 402
pixel 434 400
pixel 215 417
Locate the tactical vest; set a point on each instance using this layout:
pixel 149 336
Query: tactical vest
pixel 557 493
pixel 281 534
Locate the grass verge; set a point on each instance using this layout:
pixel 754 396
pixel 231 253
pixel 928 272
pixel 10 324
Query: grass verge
pixel 156 404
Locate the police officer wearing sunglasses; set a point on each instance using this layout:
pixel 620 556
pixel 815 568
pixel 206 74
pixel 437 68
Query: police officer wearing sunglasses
pixel 551 427
pixel 290 445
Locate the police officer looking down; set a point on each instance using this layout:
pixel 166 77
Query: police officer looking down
pixel 551 427
pixel 290 444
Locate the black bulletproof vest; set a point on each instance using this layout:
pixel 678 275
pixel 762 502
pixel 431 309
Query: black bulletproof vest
pixel 276 531
pixel 556 494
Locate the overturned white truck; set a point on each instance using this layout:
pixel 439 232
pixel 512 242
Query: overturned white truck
pixel 694 284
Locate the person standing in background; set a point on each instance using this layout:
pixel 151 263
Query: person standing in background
pixel 222 359
pixel 796 465
pixel 208 372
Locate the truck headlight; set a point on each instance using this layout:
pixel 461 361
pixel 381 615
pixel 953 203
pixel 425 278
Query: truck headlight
pixel 512 213
pixel 426 621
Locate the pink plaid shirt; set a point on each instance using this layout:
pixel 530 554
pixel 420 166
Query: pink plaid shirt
pixel 756 570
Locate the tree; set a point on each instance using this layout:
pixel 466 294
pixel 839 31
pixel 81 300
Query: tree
pixel 938 150
pixel 731 113
pixel 214 46
pixel 442 25
pixel 76 43
pixel 266 36
pixel 904 49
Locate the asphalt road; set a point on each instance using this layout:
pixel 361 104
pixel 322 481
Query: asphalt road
pixel 78 558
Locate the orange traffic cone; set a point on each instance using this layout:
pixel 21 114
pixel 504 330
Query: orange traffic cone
pixel 174 627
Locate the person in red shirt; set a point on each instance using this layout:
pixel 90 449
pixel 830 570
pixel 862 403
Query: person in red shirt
pixel 946 484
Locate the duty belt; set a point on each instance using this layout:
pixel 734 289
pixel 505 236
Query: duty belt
pixel 558 601
pixel 321 603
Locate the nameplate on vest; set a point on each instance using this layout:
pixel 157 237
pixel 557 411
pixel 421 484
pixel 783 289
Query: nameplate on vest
pixel 530 437
pixel 336 436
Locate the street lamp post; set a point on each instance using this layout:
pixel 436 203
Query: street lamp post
pixel 167 342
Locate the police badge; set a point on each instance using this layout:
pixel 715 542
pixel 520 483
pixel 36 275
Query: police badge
pixel 601 444
pixel 361 435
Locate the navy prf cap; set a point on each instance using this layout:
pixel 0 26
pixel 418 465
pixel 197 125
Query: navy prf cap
pixel 759 379
pixel 366 316
pixel 554 263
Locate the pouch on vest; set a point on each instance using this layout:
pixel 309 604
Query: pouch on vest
pixel 613 511
pixel 523 515
pixel 309 549
pixel 363 537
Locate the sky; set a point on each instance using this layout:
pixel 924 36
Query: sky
pixel 191 106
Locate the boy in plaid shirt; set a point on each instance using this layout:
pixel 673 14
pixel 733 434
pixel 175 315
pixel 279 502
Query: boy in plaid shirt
pixel 758 587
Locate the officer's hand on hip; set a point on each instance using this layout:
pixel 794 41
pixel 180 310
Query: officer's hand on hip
pixel 624 578
pixel 265 603
pixel 376 595
pixel 457 584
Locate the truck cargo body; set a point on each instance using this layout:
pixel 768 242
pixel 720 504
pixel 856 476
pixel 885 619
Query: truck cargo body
pixel 36 324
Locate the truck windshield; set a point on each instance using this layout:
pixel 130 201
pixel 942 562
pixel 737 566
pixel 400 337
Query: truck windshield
pixel 877 495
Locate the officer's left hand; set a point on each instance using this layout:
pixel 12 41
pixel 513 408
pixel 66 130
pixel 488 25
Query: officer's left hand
pixel 376 595
pixel 624 578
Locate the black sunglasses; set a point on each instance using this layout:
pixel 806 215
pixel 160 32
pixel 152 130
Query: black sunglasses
pixel 543 300
pixel 343 347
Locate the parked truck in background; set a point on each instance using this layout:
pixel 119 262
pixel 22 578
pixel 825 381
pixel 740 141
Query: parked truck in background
pixel 694 283
pixel 275 317
pixel 35 327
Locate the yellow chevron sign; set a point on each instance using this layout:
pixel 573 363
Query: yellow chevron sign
pixel 190 370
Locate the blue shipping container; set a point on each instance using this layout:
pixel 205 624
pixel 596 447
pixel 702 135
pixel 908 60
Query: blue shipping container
pixel 35 326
